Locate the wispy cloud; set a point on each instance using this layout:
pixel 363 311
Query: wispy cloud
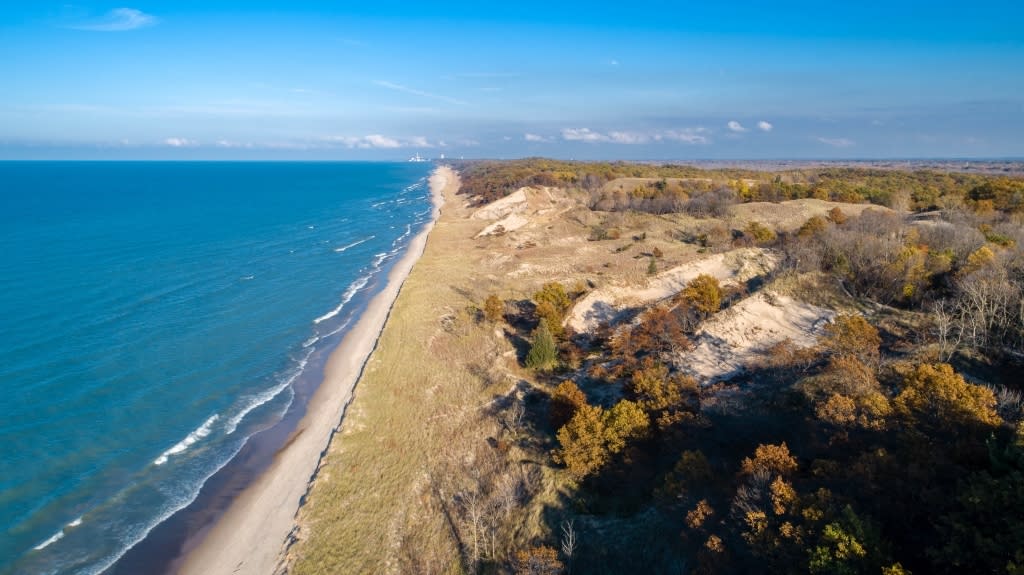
pixel 421 93
pixel 535 138
pixel 764 126
pixel 687 136
pixel 117 20
pixel 379 142
pixel 836 142
pixel 180 143
pixel 736 126
pixel 586 135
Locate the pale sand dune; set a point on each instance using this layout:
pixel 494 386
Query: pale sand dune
pixel 249 537
pixel 604 303
pixel 728 342
pixel 500 208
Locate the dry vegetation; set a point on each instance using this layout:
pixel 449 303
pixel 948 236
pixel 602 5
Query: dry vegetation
pixel 848 404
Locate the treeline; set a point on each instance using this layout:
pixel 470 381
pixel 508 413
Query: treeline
pixel 920 190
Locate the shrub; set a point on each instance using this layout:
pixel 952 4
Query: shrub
pixel 759 232
pixel 836 216
pixel 494 308
pixel 541 560
pixel 812 227
pixel 704 293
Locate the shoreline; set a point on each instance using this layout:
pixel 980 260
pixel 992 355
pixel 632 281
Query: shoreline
pixel 250 536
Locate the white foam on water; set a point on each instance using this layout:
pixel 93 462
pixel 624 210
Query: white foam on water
pixel 266 395
pixel 345 298
pixel 310 341
pixel 408 232
pixel 354 244
pixel 183 445
pixel 338 330
pixel 75 523
pixel 55 538
pixel 178 504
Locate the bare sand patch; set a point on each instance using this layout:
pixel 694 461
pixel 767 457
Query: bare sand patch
pixel 734 338
pixel 604 303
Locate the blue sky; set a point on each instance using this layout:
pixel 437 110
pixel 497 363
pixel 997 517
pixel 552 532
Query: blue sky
pixel 632 80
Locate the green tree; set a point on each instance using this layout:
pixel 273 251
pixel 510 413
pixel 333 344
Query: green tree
pixel 652 267
pixel 543 354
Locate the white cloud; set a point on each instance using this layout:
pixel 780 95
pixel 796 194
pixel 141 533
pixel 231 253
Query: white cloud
pixel 583 135
pixel 379 142
pixel 179 142
pixel 415 92
pixel 764 126
pixel 118 20
pixel 687 135
pixel 613 63
pixel 736 126
pixel 836 142
pixel 534 138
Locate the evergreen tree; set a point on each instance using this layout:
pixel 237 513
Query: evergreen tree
pixel 543 354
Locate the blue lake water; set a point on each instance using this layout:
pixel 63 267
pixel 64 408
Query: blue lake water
pixel 154 316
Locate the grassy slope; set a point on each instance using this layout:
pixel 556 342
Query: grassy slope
pixel 375 478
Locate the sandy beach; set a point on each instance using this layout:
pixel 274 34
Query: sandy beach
pixel 249 537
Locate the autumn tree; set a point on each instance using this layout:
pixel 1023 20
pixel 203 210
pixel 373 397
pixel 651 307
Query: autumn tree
pixel 552 305
pixel 704 293
pixel 565 402
pixel 656 390
pixel 771 459
pixel 624 422
pixel 847 394
pixel 936 394
pixel 851 334
pixel 583 447
pixel 543 354
pixel 594 435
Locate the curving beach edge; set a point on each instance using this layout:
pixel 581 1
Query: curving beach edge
pixel 251 535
